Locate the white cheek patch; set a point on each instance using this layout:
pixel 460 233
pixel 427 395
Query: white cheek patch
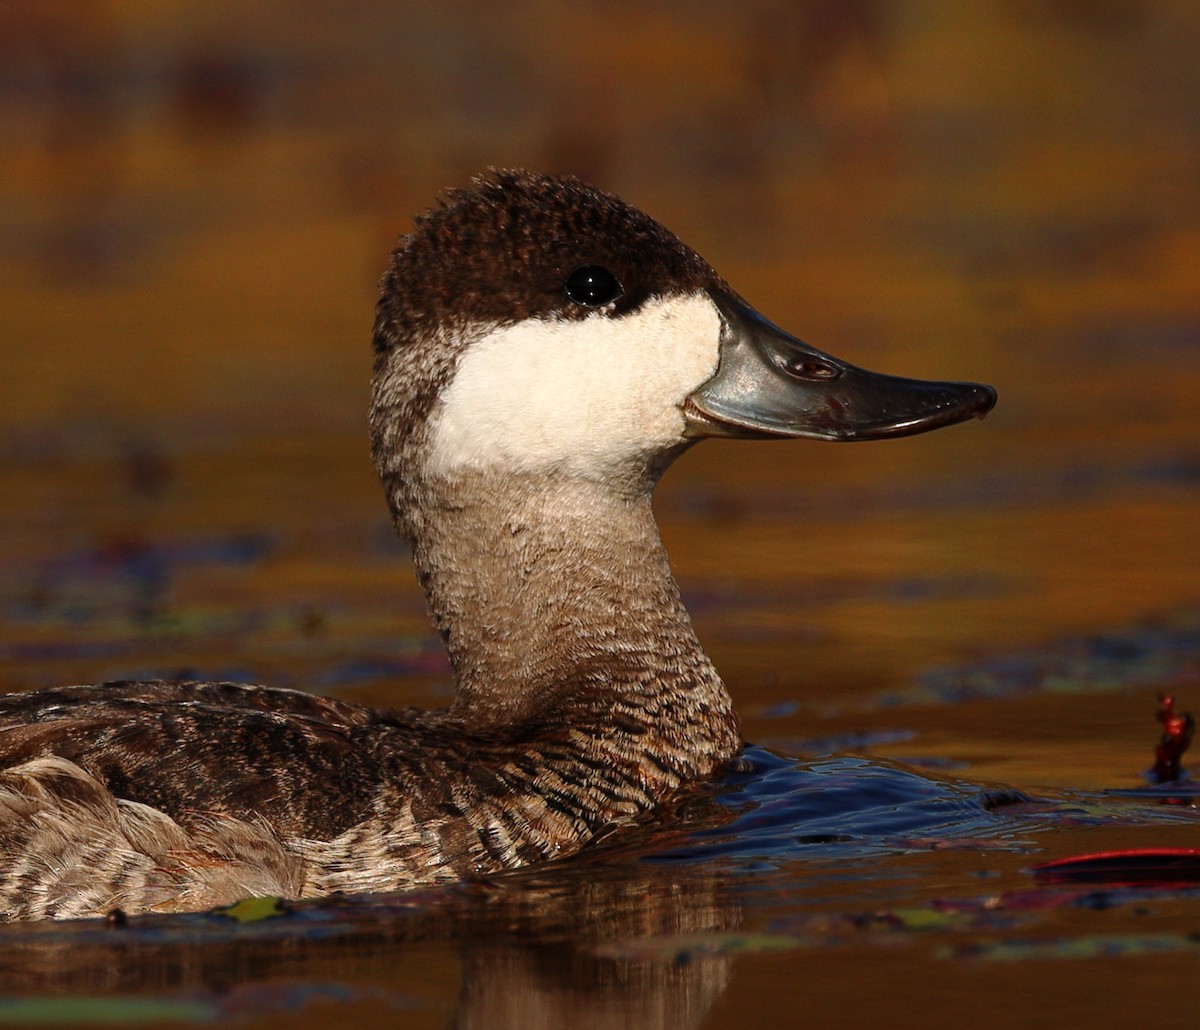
pixel 584 394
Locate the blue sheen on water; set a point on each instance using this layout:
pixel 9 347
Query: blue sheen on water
pixel 846 807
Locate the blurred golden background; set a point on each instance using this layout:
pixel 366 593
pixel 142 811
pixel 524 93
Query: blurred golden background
pixel 197 200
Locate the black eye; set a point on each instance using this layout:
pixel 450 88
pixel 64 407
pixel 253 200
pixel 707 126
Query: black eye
pixel 593 286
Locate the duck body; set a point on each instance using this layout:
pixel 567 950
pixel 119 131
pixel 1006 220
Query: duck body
pixel 543 352
pixel 180 796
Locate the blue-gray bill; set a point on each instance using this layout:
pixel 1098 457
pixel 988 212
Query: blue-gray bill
pixel 770 384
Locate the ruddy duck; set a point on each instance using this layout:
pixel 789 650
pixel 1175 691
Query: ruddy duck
pixel 543 351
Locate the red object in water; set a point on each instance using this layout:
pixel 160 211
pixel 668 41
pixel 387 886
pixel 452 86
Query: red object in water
pixel 1135 865
pixel 1178 728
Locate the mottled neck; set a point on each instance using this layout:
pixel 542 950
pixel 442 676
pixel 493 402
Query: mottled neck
pixel 557 604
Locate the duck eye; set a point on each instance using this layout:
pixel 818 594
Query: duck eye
pixel 593 286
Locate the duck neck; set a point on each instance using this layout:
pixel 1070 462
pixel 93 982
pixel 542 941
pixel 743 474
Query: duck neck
pixel 557 605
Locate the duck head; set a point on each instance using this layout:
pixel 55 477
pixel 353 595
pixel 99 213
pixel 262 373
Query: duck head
pixel 533 323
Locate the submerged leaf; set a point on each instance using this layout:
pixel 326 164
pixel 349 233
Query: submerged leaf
pixel 115 1011
pixel 253 910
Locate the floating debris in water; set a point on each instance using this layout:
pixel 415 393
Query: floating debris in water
pixel 1128 866
pixel 254 910
pixel 1178 728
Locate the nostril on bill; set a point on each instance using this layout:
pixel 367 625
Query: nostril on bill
pixel 812 368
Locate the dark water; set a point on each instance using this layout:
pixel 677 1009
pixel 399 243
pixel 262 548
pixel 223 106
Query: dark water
pixel 956 642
